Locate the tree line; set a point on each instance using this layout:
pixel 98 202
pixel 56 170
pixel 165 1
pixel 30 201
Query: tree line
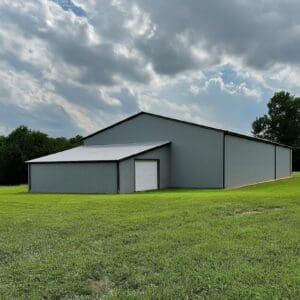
pixel 24 144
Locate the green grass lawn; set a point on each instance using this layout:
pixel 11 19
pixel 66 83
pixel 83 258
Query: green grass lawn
pixel 214 244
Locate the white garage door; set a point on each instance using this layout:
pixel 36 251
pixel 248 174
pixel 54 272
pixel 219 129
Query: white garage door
pixel 146 177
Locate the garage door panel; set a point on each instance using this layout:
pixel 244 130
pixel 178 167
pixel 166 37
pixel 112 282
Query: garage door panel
pixel 146 175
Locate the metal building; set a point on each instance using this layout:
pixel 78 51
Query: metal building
pixel 148 151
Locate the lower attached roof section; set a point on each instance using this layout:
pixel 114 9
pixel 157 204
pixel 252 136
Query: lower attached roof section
pixel 114 152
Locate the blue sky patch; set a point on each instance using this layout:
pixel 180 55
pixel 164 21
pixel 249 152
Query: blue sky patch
pixel 69 5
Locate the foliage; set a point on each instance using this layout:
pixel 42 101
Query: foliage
pixel 282 123
pixel 173 244
pixel 23 144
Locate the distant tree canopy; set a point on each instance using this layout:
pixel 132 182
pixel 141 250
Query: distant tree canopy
pixel 24 144
pixel 282 123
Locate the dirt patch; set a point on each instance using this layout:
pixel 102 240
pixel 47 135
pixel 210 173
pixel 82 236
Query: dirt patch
pixel 100 286
pixel 253 212
pixel 247 211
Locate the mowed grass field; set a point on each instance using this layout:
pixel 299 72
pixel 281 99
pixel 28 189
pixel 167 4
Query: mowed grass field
pixel 174 244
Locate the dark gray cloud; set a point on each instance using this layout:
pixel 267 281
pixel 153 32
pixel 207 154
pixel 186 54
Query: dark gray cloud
pixel 99 65
pixel 16 63
pixel 167 56
pixel 260 32
pixel 92 99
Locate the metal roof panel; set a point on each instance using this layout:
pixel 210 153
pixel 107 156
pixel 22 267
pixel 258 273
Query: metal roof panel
pixel 113 152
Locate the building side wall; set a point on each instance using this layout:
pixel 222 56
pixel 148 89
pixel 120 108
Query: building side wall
pixel 283 162
pixel 91 177
pixel 196 155
pixel 127 169
pixel 247 161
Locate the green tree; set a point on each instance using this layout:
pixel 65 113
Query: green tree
pixel 282 123
pixel 24 144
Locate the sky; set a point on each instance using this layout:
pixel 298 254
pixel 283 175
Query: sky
pixel 74 67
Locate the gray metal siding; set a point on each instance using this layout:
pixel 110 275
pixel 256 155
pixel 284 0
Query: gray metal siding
pixel 127 176
pixel 93 177
pixel 247 161
pixel 127 179
pixel 196 155
pixel 283 162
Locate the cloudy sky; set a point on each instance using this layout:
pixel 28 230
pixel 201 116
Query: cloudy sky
pixel 72 67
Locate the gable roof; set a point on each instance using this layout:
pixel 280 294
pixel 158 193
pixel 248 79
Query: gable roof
pixel 104 153
pixel 226 132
